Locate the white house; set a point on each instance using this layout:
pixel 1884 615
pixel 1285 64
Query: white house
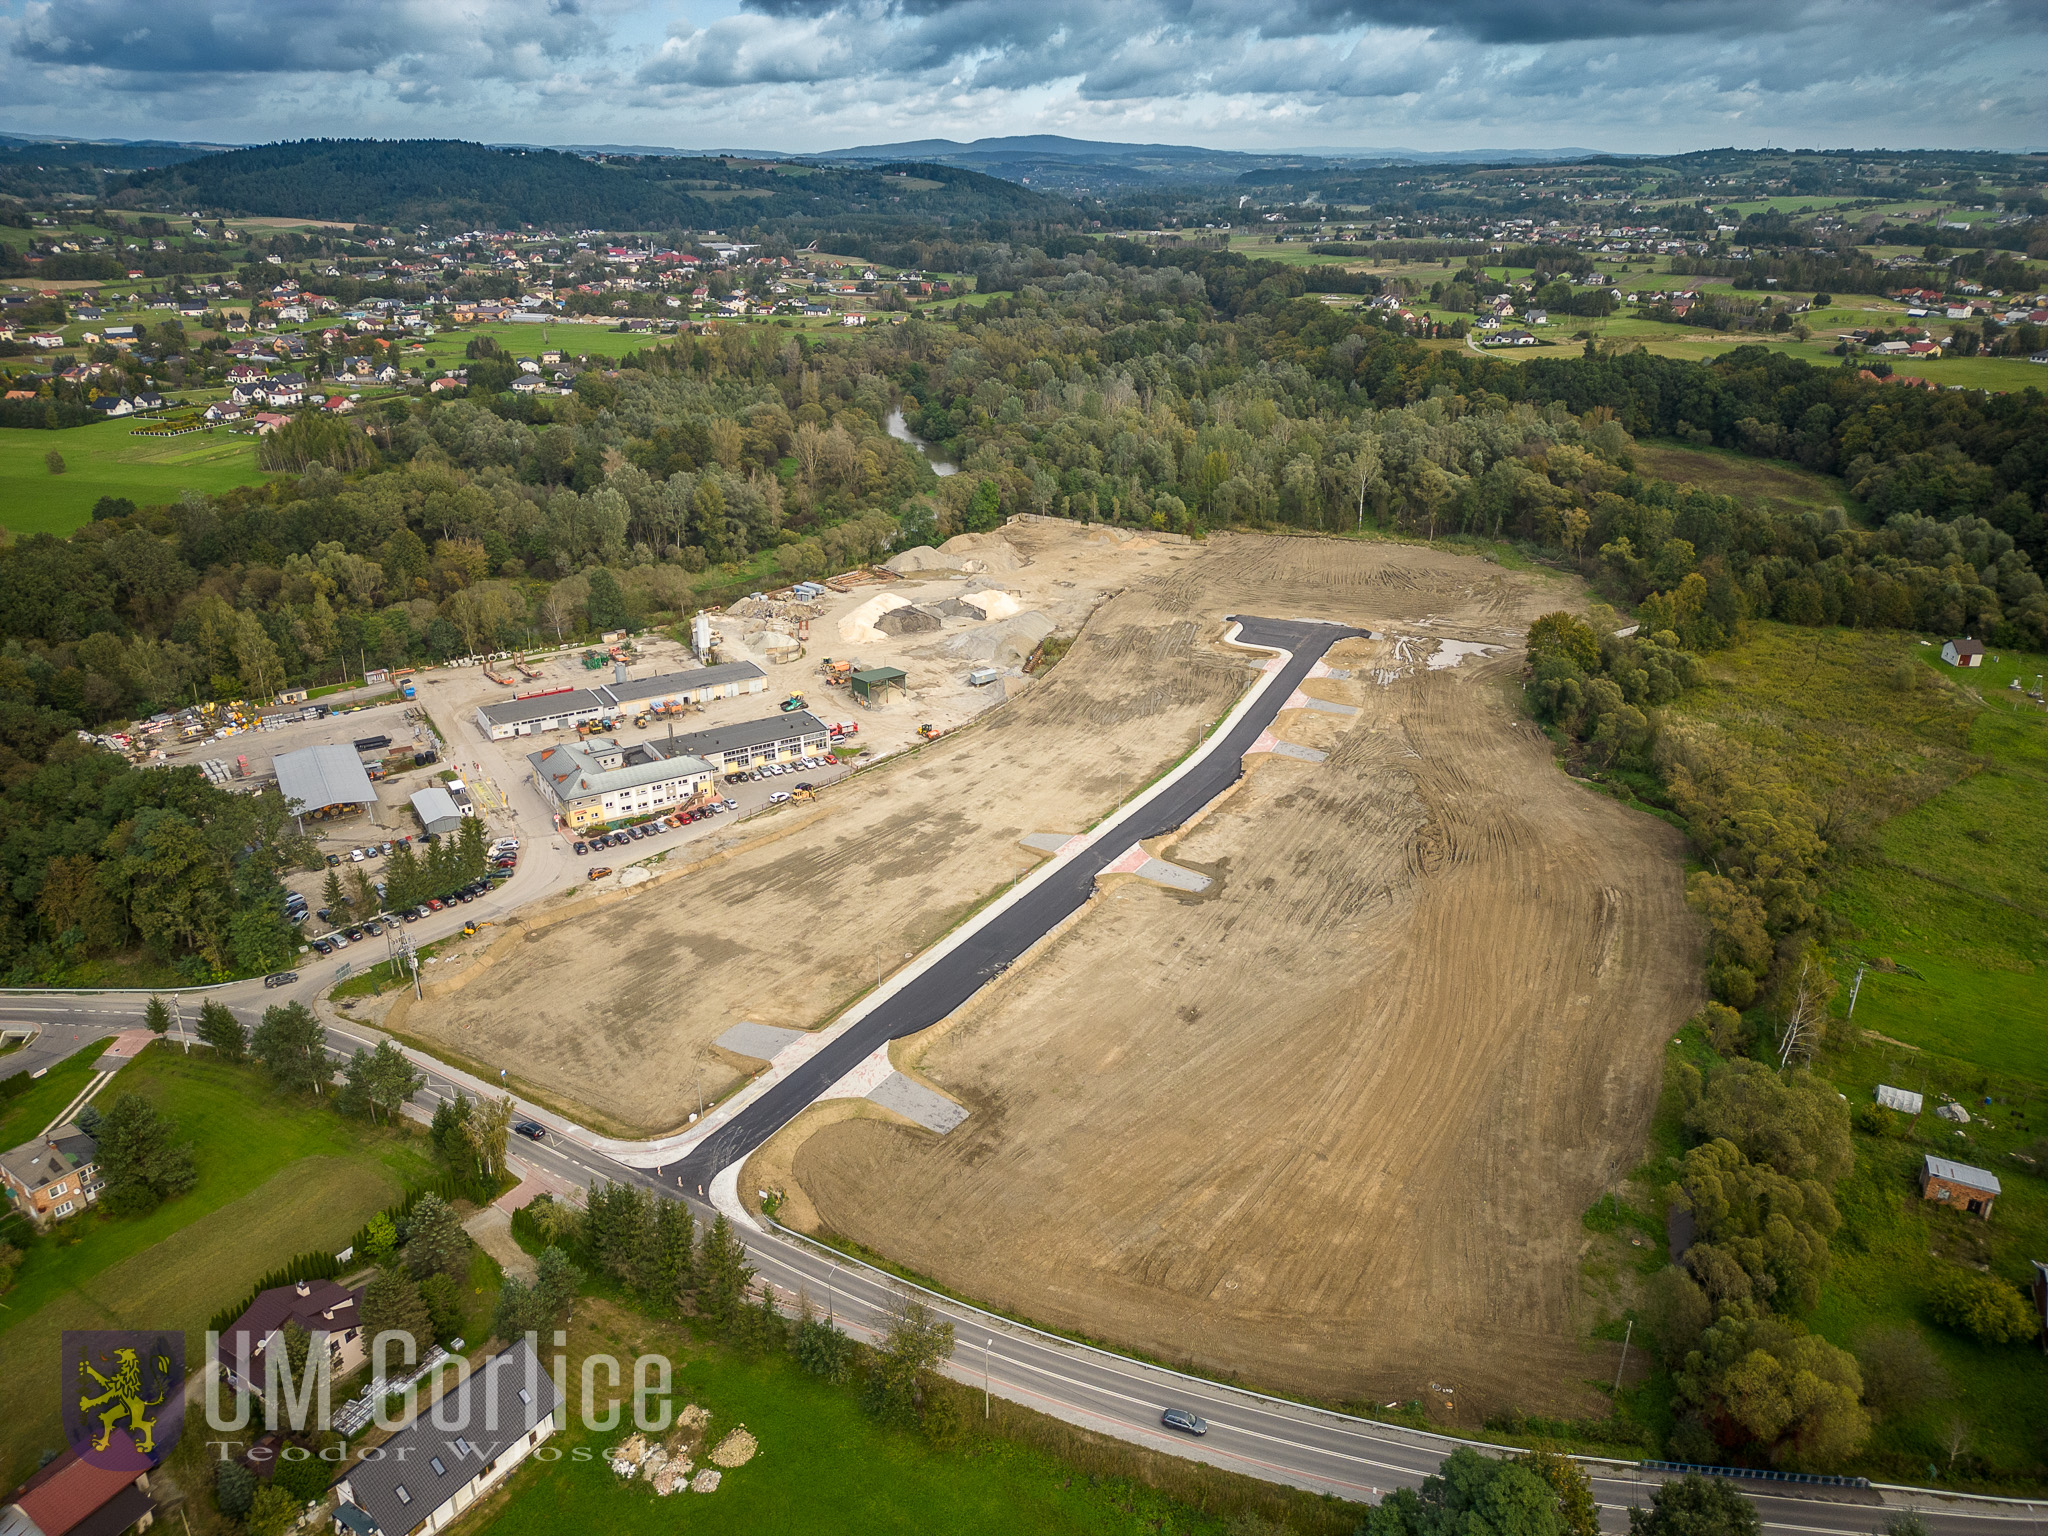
pixel 1963 653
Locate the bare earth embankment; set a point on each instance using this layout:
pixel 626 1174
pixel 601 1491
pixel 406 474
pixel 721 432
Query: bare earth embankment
pixel 1330 1125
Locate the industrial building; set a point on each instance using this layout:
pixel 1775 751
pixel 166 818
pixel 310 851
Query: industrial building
pixel 566 707
pixel 324 782
pixel 749 743
pixel 598 780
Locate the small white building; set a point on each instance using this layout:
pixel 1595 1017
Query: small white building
pixel 437 811
pixel 1963 653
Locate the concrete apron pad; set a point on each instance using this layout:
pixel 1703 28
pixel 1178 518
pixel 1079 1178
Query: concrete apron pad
pixel 764 1042
pixel 1046 842
pixel 1300 700
pixel 1136 861
pixel 1268 742
pixel 877 1080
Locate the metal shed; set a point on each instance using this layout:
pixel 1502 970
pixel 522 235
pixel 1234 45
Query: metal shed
pixel 873 685
pixel 317 781
pixel 437 811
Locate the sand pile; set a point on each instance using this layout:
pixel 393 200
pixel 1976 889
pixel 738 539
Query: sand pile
pixel 858 627
pixel 994 603
pixel 981 552
pixel 907 620
pixel 1003 643
pixel 736 1449
pixel 921 557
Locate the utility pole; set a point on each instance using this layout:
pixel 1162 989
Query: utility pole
pixel 832 1294
pixel 1855 987
pixel 1631 1333
pixel 986 1344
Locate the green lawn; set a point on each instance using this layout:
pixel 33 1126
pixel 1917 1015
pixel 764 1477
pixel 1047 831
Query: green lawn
pixel 277 1177
pixel 824 1465
pixel 23 1117
pixel 106 459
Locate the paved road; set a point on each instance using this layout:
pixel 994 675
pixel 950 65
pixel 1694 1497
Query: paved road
pixel 998 937
pixel 1283 1442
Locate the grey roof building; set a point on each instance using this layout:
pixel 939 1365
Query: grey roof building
pixel 795 734
pixel 599 780
pixel 437 811
pixel 554 711
pixel 318 778
pixel 54 1175
pixel 423 1475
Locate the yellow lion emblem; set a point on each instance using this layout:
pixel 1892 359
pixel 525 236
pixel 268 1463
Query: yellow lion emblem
pixel 121 1397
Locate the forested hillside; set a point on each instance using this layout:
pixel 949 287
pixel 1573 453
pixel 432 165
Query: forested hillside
pixel 449 184
pixel 1168 390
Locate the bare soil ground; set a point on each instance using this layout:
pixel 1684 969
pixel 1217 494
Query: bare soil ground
pixel 1331 1125
pixel 612 1014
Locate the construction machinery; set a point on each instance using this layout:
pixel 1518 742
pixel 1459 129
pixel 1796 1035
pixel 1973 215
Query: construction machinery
pixel 794 701
pixel 929 731
pixel 838 672
pixel 642 721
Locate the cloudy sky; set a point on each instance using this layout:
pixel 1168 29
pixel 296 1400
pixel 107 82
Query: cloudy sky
pixel 1630 75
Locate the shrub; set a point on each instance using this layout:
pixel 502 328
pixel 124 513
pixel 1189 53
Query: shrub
pixel 1983 1306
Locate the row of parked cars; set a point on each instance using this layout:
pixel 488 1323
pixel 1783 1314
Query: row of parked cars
pixel 504 860
pixel 776 770
pixel 367 851
pixel 655 828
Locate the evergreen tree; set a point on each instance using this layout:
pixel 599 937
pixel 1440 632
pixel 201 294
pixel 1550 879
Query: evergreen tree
pixel 138 1156
pixel 444 1305
pixel 219 1028
pixel 606 605
pixel 392 1304
pixel 156 1013
pixel 669 1264
pixel 234 1488
pixel 723 1274
pixel 435 1241
pixel 472 852
pixel 335 899
pixel 446 1131
pixel 292 1047
pixel 555 1282
pixel 820 1346
pixel 518 1311
pixel 404 880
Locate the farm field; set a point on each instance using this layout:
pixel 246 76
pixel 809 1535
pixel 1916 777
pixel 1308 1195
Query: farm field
pixel 1728 473
pixel 1260 1131
pixel 276 1178
pixel 107 459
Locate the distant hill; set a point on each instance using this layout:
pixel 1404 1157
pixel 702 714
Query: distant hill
pixel 1050 160
pixel 444 183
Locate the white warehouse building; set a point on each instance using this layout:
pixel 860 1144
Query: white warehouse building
pixel 537 713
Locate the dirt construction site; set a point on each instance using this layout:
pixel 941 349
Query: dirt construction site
pixel 1328 1125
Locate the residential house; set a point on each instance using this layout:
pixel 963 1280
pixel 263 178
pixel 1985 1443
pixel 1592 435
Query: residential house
pixel 1963 653
pixel 223 410
pixel 318 1306
pixel 426 1475
pixel 112 406
pixel 1537 317
pixel 1515 339
pixel 54 1176
pixel 75 1497
pixel 270 421
pixel 1958 1185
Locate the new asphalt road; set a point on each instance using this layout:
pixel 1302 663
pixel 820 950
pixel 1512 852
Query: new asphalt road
pixel 1286 1442
pixel 998 937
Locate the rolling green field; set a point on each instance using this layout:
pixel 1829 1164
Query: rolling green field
pixel 277 1177
pixel 825 1465
pixel 1940 782
pixel 107 459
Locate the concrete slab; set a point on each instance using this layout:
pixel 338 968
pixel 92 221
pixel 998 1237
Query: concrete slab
pixel 124 1048
pixel 1159 872
pixel 1302 754
pixel 914 1101
pixel 760 1040
pixel 1330 707
pixel 1046 842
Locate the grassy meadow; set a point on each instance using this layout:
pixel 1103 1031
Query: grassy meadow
pixel 277 1177
pixel 107 459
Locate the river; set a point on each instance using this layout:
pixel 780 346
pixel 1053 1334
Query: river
pixel 901 433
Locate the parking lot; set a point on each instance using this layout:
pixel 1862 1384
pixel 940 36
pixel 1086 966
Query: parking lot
pixel 761 789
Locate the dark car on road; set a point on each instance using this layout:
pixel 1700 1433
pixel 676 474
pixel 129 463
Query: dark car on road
pixel 281 979
pixel 1187 1423
pixel 529 1130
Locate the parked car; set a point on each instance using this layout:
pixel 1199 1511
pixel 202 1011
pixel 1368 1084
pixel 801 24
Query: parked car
pixel 1187 1423
pixel 338 940
pixel 778 797
pixel 322 947
pixel 599 871
pixel 581 847
pixel 730 805
pixel 433 904
pixel 355 855
pixel 333 859
pixel 409 915
pixel 529 1130
pixel 373 928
